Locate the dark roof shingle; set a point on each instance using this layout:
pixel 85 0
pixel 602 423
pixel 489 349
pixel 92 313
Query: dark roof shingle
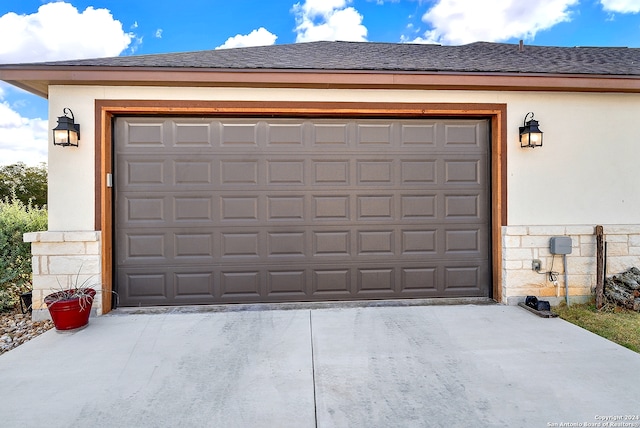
pixel 479 57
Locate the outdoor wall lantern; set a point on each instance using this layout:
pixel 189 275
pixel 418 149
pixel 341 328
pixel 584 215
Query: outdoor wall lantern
pixel 67 133
pixel 530 134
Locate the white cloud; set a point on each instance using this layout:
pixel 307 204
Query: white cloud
pixel 259 37
pixel 466 21
pixel 328 20
pixel 59 31
pixel 56 31
pixel 322 7
pixel 21 139
pixel 418 40
pixel 621 6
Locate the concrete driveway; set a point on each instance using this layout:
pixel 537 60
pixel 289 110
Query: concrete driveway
pixel 417 366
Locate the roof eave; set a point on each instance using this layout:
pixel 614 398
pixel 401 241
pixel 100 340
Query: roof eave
pixel 37 79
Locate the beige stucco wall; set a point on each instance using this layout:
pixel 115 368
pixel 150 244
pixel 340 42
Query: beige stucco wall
pixel 585 174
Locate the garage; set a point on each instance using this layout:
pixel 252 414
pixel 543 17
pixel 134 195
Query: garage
pixel 245 210
pixel 332 171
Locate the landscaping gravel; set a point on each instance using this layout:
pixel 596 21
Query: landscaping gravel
pixel 17 328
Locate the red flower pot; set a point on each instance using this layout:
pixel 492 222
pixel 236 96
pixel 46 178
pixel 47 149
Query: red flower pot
pixel 70 313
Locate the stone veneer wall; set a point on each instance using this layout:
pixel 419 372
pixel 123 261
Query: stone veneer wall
pixel 57 259
pixel 522 244
pixel 59 256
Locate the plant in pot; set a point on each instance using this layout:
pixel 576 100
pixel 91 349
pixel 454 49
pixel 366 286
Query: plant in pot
pixel 70 307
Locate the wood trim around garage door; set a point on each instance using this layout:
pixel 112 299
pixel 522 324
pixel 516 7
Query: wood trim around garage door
pixel 106 110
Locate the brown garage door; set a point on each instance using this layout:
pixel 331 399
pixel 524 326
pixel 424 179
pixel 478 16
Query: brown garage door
pixel 268 210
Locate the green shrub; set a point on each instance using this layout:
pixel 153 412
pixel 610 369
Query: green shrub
pixel 16 218
pixel 27 183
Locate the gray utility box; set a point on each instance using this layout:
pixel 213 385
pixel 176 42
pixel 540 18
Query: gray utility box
pixel 560 245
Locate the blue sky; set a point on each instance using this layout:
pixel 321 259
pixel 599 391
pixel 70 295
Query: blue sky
pixel 42 30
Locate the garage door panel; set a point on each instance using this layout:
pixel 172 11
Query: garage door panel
pixel 290 135
pixel 423 134
pixel 418 172
pixel 290 208
pixel 140 133
pixel 145 209
pixel 336 243
pixel 462 208
pixel 465 279
pixel 194 209
pixel 286 244
pixel 462 172
pixel 242 245
pixel 194 246
pixel 147 173
pixel 239 134
pixel 190 173
pixel 333 170
pixel 138 286
pixel 331 207
pixel 462 241
pixel 462 276
pixel 235 208
pixel 378 134
pixel 419 242
pixel 240 285
pixel 289 284
pixel 140 211
pixel 145 248
pixel 376 243
pixel 191 135
pixel 376 281
pixel 238 172
pixel 467 206
pixel 462 135
pixel 332 282
pixel 222 210
pixel 419 280
pixel 375 172
pixel 152 173
pixel 194 285
pixel 286 172
pixel 418 207
pixel 330 172
pixel 327 133
pixel 375 207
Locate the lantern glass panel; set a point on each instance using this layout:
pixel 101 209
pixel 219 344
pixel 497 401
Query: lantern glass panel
pixel 61 136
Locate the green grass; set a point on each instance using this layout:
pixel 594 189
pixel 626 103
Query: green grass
pixel 621 326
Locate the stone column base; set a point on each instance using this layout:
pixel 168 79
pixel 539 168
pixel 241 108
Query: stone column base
pixel 62 260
